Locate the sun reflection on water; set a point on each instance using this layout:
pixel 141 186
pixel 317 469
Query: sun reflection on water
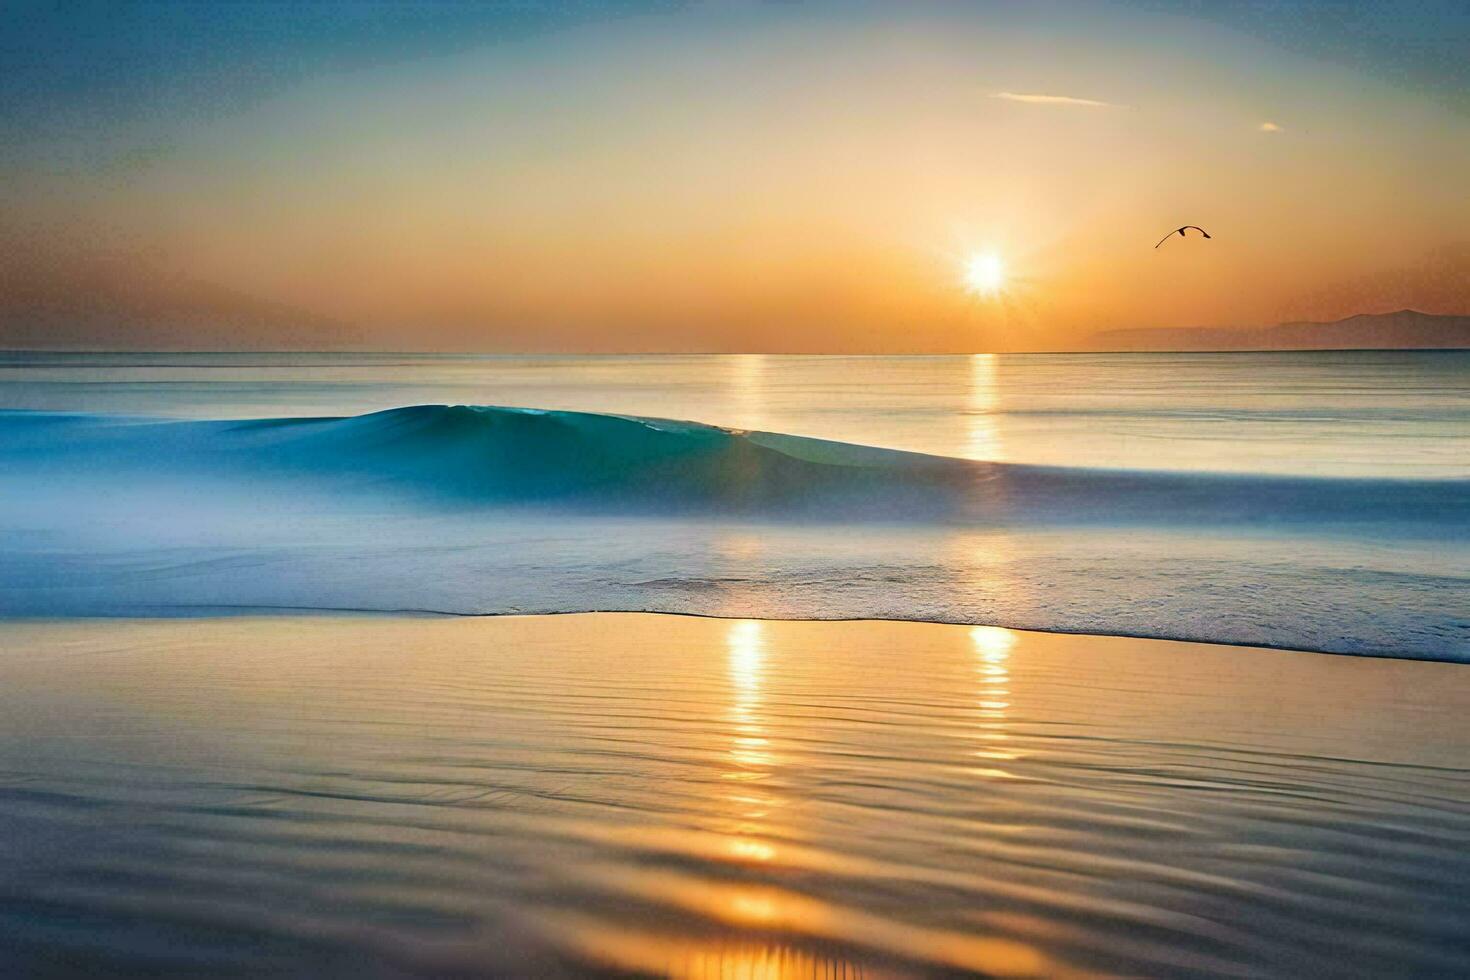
pixel 683 958
pixel 993 646
pixel 746 642
pixel 748 380
pixel 760 925
pixel 982 399
pixel 749 748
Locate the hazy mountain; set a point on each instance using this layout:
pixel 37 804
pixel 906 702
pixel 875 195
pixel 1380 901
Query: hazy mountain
pixel 66 301
pixel 1408 329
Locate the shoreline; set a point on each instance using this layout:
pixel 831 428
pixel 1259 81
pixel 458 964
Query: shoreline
pixel 228 613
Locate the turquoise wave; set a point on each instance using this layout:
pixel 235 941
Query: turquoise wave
pixel 466 456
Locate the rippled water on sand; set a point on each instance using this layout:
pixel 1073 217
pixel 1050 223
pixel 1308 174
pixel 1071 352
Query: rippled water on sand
pixel 690 797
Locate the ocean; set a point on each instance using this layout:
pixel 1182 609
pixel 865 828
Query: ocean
pixel 252 722
pixel 1317 501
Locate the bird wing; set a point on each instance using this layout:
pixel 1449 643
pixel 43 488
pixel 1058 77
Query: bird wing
pixel 1196 228
pixel 1169 236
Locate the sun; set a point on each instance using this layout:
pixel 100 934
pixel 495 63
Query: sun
pixel 985 273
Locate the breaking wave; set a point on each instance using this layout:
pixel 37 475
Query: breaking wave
pixel 465 456
pixel 471 509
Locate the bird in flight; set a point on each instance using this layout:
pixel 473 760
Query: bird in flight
pixel 1180 233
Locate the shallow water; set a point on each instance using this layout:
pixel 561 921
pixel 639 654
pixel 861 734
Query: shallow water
pixel 448 797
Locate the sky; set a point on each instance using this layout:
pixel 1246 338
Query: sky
pixel 722 176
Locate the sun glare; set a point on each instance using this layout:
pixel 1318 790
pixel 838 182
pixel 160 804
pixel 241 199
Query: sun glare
pixel 985 273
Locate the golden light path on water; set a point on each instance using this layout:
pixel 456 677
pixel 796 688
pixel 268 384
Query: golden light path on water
pixel 982 401
pixel 706 798
pixel 754 386
pixel 750 753
pixel 749 381
pixel 993 647
pixel 782 923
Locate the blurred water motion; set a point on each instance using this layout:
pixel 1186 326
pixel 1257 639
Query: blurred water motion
pixel 718 798
pixel 1318 413
pixel 1340 522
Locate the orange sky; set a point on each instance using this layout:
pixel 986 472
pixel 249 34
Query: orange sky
pixel 756 179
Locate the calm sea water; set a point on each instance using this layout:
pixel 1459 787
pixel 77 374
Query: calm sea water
pixel 1396 414
pixel 669 796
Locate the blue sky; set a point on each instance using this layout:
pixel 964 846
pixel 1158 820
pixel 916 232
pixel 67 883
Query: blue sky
pixel 713 175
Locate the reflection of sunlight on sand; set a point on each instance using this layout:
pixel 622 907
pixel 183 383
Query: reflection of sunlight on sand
pixel 749 752
pixel 993 647
pixel 982 440
pixel 775 909
pixel 691 959
pixel 747 654
pixel 739 873
pixel 740 904
pixel 750 850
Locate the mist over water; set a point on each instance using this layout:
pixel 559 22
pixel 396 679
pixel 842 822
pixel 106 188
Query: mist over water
pixel 1325 546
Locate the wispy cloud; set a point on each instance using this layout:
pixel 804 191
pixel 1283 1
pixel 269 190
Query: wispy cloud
pixel 1035 99
pixel 1270 127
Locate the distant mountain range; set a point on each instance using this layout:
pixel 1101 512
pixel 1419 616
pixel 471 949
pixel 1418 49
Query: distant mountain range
pixel 1407 329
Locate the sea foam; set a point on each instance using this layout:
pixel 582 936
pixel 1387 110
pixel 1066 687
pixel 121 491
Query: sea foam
pixel 473 509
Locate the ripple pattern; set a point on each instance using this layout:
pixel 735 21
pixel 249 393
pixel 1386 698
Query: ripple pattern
pixel 657 795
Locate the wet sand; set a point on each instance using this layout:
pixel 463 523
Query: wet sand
pixel 395 796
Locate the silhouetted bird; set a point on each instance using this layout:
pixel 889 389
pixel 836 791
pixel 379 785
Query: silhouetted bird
pixel 1181 234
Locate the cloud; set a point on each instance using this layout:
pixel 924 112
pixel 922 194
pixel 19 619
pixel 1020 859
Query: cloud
pixel 1270 127
pixel 1051 100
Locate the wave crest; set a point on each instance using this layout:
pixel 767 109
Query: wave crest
pixel 499 510
pixel 492 456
